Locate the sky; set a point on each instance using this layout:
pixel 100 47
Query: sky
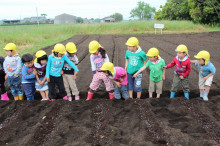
pixel 19 9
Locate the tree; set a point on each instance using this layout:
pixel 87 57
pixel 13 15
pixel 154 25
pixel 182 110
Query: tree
pixel 200 11
pixel 143 11
pixel 43 15
pixel 79 20
pixel 117 16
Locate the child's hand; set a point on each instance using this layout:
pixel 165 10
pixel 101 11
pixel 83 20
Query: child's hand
pixel 181 77
pixel 74 77
pixel 48 80
pixel 34 72
pixel 118 84
pixel 165 67
pixel 205 78
pixel 61 72
pixel 6 76
pixel 135 75
pixel 163 77
pixel 121 79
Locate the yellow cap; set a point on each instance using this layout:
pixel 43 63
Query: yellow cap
pixel 10 47
pixel 108 66
pixel 94 46
pixel 153 52
pixel 59 48
pixel 39 54
pixel 203 55
pixel 71 47
pixel 133 41
pixel 182 48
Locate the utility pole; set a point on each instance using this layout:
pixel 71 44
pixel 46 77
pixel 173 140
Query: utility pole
pixel 37 16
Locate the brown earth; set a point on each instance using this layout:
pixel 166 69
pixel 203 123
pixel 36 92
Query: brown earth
pixel 133 122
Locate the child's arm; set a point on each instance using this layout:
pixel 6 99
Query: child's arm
pixel 70 63
pixel 25 75
pixel 188 70
pixel 164 72
pixel 117 83
pixel 106 58
pixel 193 61
pixel 75 74
pixel 92 65
pixel 48 69
pixel 172 64
pixel 141 70
pixel 18 69
pixel 126 65
pixel 205 78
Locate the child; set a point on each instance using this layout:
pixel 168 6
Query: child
pixel 53 71
pixel 98 57
pixel 69 76
pixel 4 95
pixel 135 58
pixel 183 68
pixel 157 75
pixel 206 73
pixel 12 68
pixel 119 77
pixel 40 64
pixel 28 76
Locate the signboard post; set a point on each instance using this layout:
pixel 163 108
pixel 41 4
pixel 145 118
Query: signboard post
pixel 159 26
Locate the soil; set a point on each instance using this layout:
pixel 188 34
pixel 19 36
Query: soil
pixel 134 122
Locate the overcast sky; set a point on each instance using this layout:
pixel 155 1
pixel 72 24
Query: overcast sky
pixel 16 9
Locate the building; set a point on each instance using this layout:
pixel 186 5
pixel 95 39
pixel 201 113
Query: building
pixel 41 19
pixel 64 19
pixel 108 19
pixel 11 21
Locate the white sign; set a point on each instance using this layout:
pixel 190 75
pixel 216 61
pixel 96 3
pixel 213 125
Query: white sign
pixel 158 26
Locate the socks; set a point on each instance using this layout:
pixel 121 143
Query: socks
pixel 201 95
pixel 205 97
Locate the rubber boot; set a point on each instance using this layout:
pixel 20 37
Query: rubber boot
pixel 111 96
pixel 70 98
pixel 201 95
pixel 32 97
pixel 29 98
pixel 4 96
pixel 205 97
pixel 77 97
pixel 172 94
pixel 52 100
pixel 90 96
pixel 65 98
pixel 20 97
pixel 186 95
pixel 16 98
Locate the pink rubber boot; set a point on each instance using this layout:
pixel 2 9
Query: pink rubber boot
pixel 111 96
pixel 65 98
pixel 4 96
pixel 90 96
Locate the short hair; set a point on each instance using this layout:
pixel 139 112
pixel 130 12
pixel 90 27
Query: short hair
pixel 42 58
pixel 27 58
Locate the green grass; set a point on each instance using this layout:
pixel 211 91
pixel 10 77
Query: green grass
pixel 30 38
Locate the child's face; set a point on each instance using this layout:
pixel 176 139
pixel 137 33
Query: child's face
pixel 43 62
pixel 106 73
pixel 132 48
pixel 9 53
pixel 96 53
pixel 72 54
pixel 59 55
pixel 201 61
pixel 181 55
pixel 152 58
pixel 29 64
